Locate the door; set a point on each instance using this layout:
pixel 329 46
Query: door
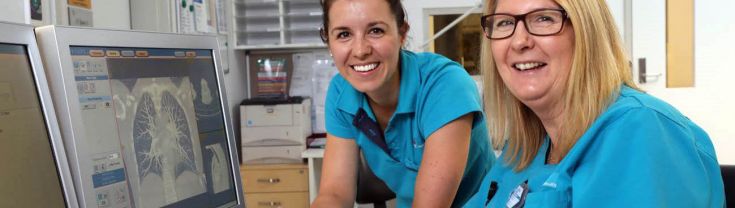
pixel 709 101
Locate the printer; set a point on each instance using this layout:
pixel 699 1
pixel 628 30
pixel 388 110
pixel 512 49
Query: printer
pixel 274 130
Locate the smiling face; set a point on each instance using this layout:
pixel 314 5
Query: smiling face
pixel 534 68
pixel 365 42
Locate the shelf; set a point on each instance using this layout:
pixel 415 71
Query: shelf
pixel 265 30
pixel 256 2
pixel 305 14
pixel 285 46
pixel 278 24
pixel 305 29
pixel 251 16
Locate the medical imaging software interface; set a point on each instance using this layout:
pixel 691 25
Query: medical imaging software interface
pixel 28 174
pixel 154 127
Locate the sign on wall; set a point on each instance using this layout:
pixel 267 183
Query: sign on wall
pixel 80 13
pixel 87 4
pixel 36 10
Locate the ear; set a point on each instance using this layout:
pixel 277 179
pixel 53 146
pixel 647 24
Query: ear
pixel 323 34
pixel 403 31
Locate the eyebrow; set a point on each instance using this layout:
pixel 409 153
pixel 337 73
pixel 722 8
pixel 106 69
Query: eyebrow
pixel 371 24
pixel 536 9
pixel 339 29
pixel 345 28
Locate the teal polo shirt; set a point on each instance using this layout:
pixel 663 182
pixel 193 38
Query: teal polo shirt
pixel 433 92
pixel 641 152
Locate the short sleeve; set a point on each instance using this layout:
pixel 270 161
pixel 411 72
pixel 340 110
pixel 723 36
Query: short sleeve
pixel 646 159
pixel 337 122
pixel 448 94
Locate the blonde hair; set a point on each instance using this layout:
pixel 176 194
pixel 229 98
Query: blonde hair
pixel 599 68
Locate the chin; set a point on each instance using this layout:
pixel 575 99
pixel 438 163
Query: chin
pixel 526 96
pixel 367 89
pixel 363 87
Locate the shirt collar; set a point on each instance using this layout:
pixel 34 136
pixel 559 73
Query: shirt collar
pixel 410 81
pixel 350 100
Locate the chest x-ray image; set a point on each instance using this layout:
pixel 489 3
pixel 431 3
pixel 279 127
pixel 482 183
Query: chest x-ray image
pixel 168 155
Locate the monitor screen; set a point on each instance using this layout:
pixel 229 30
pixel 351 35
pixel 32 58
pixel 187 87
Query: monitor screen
pixel 154 131
pixel 29 175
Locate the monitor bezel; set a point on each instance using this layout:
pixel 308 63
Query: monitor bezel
pixel 20 34
pixel 55 43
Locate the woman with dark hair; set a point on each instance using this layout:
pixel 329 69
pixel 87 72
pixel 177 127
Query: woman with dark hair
pixel 416 117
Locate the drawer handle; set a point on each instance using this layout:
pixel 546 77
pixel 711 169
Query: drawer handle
pixel 270 204
pixel 269 180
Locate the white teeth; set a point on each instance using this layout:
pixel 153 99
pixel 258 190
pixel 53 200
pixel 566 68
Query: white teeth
pixel 364 68
pixel 526 66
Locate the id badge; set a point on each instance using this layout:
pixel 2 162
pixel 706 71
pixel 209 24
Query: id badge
pixel 517 198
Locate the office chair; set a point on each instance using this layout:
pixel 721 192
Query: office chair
pixel 370 189
pixel 728 178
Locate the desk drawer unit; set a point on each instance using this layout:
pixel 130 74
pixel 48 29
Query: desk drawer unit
pixel 286 200
pixel 275 185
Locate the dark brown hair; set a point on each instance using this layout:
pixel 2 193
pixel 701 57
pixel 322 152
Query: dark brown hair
pixel 396 8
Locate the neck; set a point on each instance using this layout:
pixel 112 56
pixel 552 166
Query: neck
pixel 552 157
pixel 384 101
pixel 551 117
pixel 386 96
pixel 383 111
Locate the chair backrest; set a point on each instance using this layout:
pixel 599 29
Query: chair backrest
pixel 370 189
pixel 728 177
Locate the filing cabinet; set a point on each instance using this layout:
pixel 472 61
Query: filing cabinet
pixel 275 185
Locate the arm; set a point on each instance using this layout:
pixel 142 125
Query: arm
pixel 443 164
pixel 339 174
pixel 646 159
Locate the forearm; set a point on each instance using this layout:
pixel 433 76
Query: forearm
pixel 328 200
pixel 436 190
pixel 443 164
pixel 339 174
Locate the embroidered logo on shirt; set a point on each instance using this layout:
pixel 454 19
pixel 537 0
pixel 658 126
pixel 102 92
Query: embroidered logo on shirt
pixel 550 184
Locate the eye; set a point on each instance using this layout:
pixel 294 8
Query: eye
pixel 376 32
pixel 504 23
pixel 343 35
pixel 548 19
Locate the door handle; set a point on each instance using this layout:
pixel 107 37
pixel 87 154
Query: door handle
pixel 642 75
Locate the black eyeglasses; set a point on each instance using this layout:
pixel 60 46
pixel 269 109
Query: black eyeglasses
pixel 541 22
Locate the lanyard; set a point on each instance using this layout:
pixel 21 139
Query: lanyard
pixel 491 192
pixel 371 129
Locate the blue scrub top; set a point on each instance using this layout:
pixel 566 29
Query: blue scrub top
pixel 433 92
pixel 641 152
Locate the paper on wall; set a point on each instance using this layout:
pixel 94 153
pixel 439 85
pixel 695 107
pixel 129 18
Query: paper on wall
pixel 186 16
pixel 324 70
pixel 301 79
pixel 201 15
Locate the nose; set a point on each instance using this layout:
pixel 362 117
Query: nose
pixel 361 47
pixel 521 39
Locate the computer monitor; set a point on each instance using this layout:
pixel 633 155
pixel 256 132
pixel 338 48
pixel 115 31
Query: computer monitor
pixel 143 116
pixel 33 167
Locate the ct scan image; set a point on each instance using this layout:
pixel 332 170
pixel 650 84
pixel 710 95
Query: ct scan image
pixel 162 137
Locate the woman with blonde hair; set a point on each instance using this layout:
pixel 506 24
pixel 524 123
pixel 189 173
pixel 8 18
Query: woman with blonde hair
pixel 574 128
